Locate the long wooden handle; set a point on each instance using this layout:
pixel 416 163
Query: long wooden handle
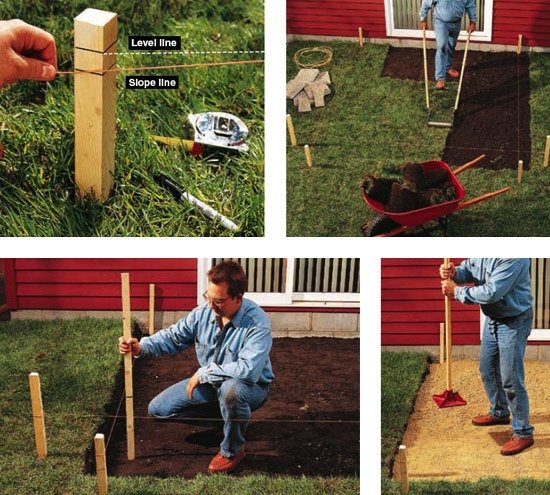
pixel 425 68
pixel 448 333
pixel 468 165
pixel 483 197
pixel 462 70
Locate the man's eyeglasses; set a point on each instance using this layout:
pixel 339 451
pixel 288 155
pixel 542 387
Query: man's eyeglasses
pixel 216 302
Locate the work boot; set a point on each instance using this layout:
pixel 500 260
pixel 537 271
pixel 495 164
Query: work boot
pixel 222 464
pixel 453 73
pixel 440 84
pixel 516 445
pixel 489 420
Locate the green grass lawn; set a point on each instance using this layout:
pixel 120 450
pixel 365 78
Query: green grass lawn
pixel 402 375
pixel 77 361
pixel 373 125
pixel 37 189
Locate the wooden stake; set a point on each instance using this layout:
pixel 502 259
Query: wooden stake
pixel 520 42
pixel 151 309
pixel 520 171
pixel 309 160
pixel 403 475
pixel 546 152
pixel 101 464
pixel 291 132
pixel 128 382
pixel 441 342
pixel 95 35
pixel 38 416
pixel 361 42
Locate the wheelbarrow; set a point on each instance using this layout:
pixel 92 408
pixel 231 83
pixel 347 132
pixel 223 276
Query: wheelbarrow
pixel 388 224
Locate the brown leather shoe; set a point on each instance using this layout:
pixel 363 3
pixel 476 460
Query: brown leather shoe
pixel 440 84
pixel 516 445
pixel 453 73
pixel 222 464
pixel 488 420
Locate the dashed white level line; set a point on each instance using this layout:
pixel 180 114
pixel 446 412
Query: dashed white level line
pixel 185 52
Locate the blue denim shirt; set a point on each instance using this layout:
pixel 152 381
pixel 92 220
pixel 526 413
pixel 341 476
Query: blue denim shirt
pixel 449 10
pixel 240 350
pixel 502 285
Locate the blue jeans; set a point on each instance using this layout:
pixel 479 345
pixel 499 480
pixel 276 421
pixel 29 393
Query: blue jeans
pixel 446 36
pixel 236 400
pixel 501 365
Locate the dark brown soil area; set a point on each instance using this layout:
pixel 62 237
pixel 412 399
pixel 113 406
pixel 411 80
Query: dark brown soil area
pixel 493 116
pixel 309 425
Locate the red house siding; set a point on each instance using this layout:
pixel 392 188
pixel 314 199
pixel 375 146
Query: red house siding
pixel 336 17
pixel 412 305
pixel 94 284
pixel 531 18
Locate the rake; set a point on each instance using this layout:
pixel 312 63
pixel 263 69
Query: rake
pixel 432 123
pixel 448 398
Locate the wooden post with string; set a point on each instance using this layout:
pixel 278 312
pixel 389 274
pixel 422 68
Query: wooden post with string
pixel 520 43
pixel 361 40
pixel 95 37
pixel 38 416
pixel 128 382
pixel 520 171
pixel 151 309
pixel 101 464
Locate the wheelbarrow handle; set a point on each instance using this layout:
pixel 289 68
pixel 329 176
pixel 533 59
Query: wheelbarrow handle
pixel 466 166
pixel 483 197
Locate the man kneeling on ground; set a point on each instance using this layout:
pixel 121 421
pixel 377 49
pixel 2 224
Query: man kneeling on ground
pixel 232 337
pixel 502 288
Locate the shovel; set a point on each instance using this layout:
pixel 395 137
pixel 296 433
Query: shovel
pixel 449 398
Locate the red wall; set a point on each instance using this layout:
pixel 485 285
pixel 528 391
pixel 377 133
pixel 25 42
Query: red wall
pixel 412 305
pixel 94 284
pixel 336 17
pixel 343 18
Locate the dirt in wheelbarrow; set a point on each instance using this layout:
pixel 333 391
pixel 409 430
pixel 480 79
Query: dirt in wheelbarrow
pixel 308 426
pixel 494 114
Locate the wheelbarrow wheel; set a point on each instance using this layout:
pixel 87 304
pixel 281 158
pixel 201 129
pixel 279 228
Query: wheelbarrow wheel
pixel 379 225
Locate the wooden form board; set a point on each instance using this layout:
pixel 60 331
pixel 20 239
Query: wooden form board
pixel 38 416
pixel 128 381
pixel 151 309
pixel 95 35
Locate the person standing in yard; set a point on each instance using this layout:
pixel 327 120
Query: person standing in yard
pixel 447 17
pixel 26 52
pixel 502 288
pixel 232 337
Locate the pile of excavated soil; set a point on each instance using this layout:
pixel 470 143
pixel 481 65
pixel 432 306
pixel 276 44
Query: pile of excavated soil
pixel 443 444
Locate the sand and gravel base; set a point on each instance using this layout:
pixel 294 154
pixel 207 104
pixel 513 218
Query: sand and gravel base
pixel 443 443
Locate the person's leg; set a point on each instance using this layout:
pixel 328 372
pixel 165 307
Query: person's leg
pixel 173 401
pixel 512 339
pixel 453 30
pixel 237 401
pixel 441 40
pixel 489 368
